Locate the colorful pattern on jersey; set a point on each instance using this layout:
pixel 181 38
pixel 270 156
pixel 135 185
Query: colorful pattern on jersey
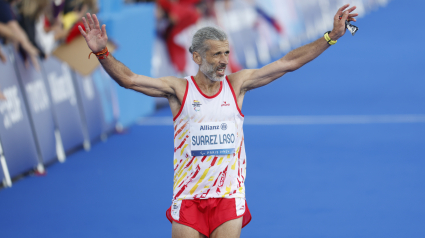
pixel 208 176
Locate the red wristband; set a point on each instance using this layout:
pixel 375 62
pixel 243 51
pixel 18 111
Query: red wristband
pixel 104 56
pixel 102 52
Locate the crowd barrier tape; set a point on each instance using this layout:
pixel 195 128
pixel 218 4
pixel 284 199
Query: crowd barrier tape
pixel 19 153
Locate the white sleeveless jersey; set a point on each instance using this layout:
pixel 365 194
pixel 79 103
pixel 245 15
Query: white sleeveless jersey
pixel 209 150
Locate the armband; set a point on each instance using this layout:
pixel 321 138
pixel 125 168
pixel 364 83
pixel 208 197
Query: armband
pixel 328 39
pixel 103 54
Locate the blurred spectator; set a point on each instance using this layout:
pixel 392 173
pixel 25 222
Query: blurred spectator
pixel 180 14
pixel 4 32
pixel 47 22
pixel 18 36
pixel 7 33
pixel 73 11
pixel 32 21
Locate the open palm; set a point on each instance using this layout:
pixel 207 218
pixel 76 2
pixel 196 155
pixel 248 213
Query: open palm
pixel 95 37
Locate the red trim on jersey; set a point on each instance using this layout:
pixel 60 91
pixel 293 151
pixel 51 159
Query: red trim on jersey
pixel 209 97
pixel 184 100
pixel 234 96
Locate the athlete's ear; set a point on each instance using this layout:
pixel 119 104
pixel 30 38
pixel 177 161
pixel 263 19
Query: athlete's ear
pixel 197 58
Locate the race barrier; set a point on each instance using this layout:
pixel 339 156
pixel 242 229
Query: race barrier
pixel 34 88
pixel 64 103
pixel 49 113
pixel 53 111
pixel 90 107
pixel 19 152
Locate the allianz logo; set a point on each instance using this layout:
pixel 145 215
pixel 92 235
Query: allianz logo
pixel 223 126
pixel 209 128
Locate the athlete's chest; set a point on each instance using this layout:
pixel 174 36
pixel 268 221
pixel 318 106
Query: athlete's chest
pixel 219 108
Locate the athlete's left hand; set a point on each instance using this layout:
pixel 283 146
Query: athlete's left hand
pixel 339 21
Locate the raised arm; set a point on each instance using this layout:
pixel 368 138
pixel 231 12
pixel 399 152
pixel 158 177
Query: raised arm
pixel 254 78
pixel 97 38
pixel 19 35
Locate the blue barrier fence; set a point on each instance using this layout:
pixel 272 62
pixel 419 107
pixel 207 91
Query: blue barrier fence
pixel 53 111
pixel 16 135
pixel 37 100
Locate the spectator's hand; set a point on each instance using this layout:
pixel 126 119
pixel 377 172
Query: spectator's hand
pixel 32 53
pixel 96 38
pixel 339 23
pixel 3 58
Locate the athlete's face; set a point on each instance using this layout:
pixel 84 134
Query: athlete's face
pixel 215 61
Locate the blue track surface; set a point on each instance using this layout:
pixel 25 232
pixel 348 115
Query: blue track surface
pixel 350 180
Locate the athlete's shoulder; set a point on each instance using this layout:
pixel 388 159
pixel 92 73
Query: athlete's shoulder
pixel 238 79
pixel 241 75
pixel 174 80
pixel 176 83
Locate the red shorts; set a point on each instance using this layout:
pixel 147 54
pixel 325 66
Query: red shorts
pixel 204 215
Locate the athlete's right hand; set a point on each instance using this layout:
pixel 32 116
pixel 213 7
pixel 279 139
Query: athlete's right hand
pixel 95 37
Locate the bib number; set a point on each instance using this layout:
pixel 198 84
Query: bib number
pixel 212 138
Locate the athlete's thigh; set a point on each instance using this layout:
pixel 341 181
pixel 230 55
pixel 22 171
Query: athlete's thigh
pixel 229 229
pixel 181 231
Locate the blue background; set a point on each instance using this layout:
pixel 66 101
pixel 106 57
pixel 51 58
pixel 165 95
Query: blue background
pixel 133 30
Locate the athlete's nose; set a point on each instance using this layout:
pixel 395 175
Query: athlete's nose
pixel 224 59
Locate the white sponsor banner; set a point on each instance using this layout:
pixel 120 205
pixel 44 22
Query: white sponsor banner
pixel 11 109
pixel 212 138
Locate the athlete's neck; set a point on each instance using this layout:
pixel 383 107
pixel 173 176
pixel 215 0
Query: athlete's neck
pixel 207 86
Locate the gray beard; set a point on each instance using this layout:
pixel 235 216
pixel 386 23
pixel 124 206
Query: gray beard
pixel 209 71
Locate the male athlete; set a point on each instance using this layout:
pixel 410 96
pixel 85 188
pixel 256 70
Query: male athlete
pixel 209 151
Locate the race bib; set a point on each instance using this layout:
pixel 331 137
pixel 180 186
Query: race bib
pixel 212 138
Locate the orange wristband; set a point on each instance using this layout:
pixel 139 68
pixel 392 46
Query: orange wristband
pixel 104 56
pixel 104 51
